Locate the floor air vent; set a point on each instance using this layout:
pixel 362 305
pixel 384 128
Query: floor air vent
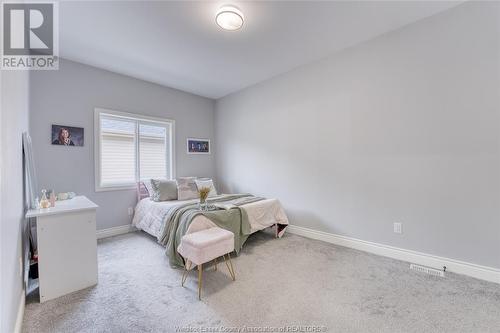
pixel 427 270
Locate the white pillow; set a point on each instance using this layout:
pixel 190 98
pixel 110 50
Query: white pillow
pixel 206 182
pixel 186 188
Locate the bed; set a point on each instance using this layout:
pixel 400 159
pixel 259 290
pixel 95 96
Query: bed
pixel 243 214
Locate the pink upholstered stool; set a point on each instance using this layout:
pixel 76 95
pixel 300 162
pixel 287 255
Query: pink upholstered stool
pixel 203 246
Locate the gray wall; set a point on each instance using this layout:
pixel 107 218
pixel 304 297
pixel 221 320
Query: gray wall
pixel 68 97
pixel 404 128
pixel 13 122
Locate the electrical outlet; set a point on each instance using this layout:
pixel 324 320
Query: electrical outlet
pixel 130 211
pixel 398 228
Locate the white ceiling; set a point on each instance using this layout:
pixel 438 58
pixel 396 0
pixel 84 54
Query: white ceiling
pixel 178 44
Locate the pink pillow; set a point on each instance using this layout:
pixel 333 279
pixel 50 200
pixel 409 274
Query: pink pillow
pixel 142 191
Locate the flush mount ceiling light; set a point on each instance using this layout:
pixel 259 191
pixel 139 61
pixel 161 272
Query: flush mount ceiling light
pixel 229 18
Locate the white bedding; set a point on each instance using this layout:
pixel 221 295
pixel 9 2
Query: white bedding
pixel 265 213
pixel 149 215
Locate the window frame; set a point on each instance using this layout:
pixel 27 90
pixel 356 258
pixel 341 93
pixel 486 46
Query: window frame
pixel 139 119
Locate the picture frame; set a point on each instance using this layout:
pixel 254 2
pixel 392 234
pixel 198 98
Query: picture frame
pixel 62 135
pixel 198 146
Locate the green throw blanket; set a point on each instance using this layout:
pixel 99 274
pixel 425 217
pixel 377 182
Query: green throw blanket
pixel 178 220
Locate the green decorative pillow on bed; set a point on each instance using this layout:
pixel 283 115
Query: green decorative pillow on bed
pixel 163 190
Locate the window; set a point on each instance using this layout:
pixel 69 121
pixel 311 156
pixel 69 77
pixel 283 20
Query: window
pixel 130 148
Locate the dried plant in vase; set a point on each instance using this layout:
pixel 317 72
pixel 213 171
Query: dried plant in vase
pixel 203 192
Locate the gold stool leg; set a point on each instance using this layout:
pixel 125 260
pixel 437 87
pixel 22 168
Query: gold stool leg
pixel 215 266
pixel 187 267
pixel 200 270
pixel 230 268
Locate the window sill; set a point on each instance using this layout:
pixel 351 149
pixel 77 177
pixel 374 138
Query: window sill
pixel 115 188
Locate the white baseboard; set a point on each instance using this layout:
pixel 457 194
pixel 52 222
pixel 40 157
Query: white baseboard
pixel 114 231
pixel 456 266
pixel 20 313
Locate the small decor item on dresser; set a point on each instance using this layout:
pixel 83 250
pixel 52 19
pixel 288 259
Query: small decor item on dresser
pixel 44 202
pixel 203 192
pixel 67 135
pixel 198 146
pixel 65 195
pixel 52 198
pixel 62 196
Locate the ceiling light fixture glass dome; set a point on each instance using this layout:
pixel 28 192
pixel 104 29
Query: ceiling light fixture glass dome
pixel 229 18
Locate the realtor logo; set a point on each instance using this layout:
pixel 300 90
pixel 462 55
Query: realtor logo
pixel 30 36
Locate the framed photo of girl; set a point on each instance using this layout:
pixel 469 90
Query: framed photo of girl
pixel 67 136
pixel 198 146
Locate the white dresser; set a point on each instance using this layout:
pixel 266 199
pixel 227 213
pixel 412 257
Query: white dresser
pixel 67 247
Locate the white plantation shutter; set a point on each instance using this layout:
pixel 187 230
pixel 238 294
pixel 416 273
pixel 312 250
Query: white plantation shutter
pixel 117 151
pixel 152 151
pixel 131 148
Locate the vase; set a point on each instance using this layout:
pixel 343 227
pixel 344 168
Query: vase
pixel 44 202
pixel 203 205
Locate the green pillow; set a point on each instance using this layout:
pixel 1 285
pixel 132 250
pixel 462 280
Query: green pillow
pixel 163 190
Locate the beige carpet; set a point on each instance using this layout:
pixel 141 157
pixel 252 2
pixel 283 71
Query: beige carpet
pixel 279 284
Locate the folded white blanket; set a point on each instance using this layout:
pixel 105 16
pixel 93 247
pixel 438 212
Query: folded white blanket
pixel 264 214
